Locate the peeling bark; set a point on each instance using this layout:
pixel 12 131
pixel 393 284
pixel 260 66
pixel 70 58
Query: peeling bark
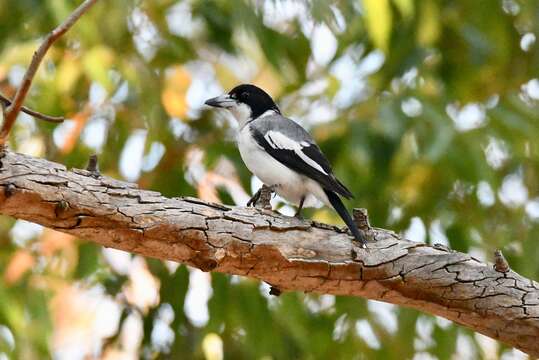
pixel 289 254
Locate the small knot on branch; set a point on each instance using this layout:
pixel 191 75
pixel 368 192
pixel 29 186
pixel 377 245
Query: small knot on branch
pixel 442 247
pixel 61 206
pixel 93 166
pixel 275 291
pixel 204 263
pixel 500 263
pixel 361 218
pixel 9 190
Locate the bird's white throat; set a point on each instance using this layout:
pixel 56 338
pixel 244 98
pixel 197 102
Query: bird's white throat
pixel 242 113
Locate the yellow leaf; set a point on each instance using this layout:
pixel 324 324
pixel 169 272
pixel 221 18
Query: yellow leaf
pixel 326 216
pixel 177 83
pixel 212 346
pixel 428 29
pixel 174 103
pixel 413 185
pixel 97 63
pixel 21 54
pixel 67 74
pixel 225 76
pixel 406 8
pixel 268 80
pixel 378 17
pixel 334 86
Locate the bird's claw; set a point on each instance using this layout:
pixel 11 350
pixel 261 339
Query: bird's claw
pixel 263 195
pixel 253 200
pixel 360 244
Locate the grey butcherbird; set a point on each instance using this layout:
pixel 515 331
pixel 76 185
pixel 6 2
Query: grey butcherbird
pixel 282 154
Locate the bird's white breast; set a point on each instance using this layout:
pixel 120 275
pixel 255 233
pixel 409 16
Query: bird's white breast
pixel 261 164
pixel 290 185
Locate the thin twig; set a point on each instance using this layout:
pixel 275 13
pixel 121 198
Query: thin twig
pixel 55 119
pixel 13 110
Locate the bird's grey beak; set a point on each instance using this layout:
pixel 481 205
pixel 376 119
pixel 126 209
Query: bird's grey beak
pixel 223 101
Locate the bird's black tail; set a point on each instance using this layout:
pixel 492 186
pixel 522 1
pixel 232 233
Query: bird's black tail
pixel 337 204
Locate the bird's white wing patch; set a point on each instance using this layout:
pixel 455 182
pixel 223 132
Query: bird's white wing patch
pixel 278 140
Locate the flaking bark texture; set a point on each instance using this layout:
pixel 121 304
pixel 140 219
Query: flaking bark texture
pixel 289 254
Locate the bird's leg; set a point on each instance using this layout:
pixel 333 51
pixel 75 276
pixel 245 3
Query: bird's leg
pixel 298 212
pixel 265 196
pixel 252 201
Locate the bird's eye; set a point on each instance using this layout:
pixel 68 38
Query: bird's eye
pixel 245 95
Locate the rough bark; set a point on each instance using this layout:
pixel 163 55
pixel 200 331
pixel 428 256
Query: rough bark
pixel 289 254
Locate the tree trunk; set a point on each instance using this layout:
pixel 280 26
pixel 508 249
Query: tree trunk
pixel 289 254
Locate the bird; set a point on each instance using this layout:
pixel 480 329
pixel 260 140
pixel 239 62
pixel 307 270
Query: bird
pixel 283 155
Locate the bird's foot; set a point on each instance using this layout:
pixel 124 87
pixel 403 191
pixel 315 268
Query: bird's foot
pixel 360 243
pixel 253 200
pixel 264 196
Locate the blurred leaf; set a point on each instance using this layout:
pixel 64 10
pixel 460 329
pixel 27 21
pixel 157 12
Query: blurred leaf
pixel 378 17
pixel 69 71
pixel 88 264
pixel 19 264
pixel 159 60
pixel 405 7
pixel 96 62
pixel 174 94
pixel 428 29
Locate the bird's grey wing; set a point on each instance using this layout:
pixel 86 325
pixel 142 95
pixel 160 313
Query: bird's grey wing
pixel 291 145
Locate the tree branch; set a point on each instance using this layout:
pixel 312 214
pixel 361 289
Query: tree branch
pixel 55 119
pixel 13 110
pixel 289 254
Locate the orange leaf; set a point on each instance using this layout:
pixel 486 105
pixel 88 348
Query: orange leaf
pixel 20 263
pixel 174 103
pixel 80 119
pixel 173 96
pixel 52 241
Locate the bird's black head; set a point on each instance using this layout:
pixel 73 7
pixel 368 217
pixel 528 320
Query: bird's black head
pixel 257 99
pixel 245 101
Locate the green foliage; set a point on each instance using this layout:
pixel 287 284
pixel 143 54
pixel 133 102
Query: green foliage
pixel 403 143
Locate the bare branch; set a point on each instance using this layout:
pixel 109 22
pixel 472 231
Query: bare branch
pixel 13 110
pixel 55 119
pixel 289 254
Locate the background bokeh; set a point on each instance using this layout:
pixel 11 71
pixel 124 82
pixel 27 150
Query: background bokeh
pixel 428 111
